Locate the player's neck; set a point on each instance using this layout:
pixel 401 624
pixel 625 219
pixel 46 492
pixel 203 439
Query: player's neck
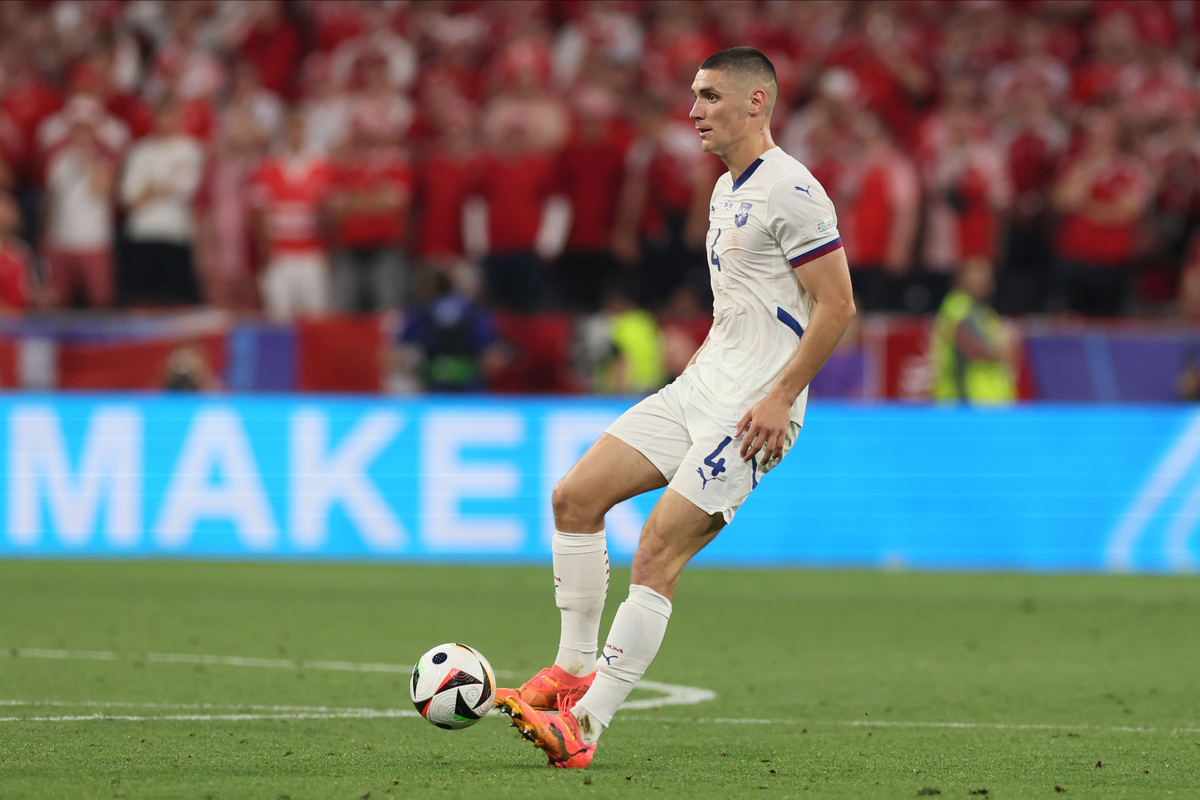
pixel 747 151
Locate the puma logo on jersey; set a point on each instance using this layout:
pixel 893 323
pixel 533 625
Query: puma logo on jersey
pixel 804 189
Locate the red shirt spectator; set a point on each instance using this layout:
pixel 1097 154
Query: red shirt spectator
pixel 515 188
pixel 880 222
pixel 28 102
pixel 273 46
pixel 382 169
pixel 1095 231
pixel 444 181
pixel 890 76
pixel 291 193
pixel 591 172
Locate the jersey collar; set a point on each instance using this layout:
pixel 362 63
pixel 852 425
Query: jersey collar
pixel 745 176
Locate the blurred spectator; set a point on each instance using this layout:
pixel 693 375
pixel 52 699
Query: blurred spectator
pixel 379 43
pixel 186 72
pixel 1035 65
pixel 444 175
pixel 27 100
pixel 227 231
pixel 105 74
pixel 290 192
pixel 378 103
pixel 187 370
pixel 1101 194
pixel 625 346
pixel 819 133
pixel 1032 142
pixel 516 179
pixel 16 260
pixel 111 133
pixel 880 217
pixel 455 339
pixel 370 209
pixel 972 354
pixel 326 107
pixel 968 190
pixel 79 220
pixel 248 96
pixel 1112 68
pixel 270 42
pixel 662 214
pixel 158 188
pixel 603 33
pixel 591 171
pixel 884 56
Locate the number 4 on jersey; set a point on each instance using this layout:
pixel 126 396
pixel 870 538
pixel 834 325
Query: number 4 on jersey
pixel 716 262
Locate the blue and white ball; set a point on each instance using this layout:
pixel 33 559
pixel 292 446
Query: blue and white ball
pixel 453 686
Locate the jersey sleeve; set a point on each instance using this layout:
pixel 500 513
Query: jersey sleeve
pixel 801 218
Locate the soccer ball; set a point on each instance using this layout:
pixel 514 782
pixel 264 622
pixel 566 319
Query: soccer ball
pixel 453 686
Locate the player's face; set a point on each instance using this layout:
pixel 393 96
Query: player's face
pixel 720 111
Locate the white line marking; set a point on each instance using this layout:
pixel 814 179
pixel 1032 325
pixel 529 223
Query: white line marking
pixel 862 723
pixel 325 712
pixel 1171 470
pixel 673 695
pixel 209 717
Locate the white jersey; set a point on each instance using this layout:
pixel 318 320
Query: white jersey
pixel 774 218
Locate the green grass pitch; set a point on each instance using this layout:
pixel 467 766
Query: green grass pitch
pixel 214 680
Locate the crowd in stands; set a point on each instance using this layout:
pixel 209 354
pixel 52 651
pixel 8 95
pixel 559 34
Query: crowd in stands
pixel 317 155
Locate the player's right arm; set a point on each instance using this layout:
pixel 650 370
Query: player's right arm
pixel 827 280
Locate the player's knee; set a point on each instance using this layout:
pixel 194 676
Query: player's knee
pixel 573 511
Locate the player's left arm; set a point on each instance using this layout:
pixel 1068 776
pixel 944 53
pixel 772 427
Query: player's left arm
pixel 827 280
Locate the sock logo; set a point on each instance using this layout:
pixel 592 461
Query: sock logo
pixel 617 653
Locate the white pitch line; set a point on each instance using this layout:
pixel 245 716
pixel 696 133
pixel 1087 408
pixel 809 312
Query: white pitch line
pixel 190 658
pixel 862 723
pixel 185 706
pixel 672 694
pixel 323 712
pixel 209 717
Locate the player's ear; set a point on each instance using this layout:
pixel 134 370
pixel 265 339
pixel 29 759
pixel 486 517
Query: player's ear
pixel 758 100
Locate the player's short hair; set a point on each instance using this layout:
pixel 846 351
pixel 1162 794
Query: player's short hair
pixel 749 61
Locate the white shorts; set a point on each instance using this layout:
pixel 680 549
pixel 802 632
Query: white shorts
pixel 296 283
pixel 690 440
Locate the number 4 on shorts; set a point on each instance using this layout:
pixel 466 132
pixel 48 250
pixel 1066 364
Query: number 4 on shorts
pixel 717 465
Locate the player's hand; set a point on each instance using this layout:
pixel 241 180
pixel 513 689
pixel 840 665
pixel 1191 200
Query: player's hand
pixel 765 425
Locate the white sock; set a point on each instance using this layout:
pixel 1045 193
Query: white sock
pixel 637 632
pixel 580 588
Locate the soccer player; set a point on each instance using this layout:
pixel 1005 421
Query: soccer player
pixel 782 301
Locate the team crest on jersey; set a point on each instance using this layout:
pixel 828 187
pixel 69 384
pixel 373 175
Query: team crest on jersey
pixel 743 214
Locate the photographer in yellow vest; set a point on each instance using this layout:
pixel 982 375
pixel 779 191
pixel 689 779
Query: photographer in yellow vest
pixel 972 351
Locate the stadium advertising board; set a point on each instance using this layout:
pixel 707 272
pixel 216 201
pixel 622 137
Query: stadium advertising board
pixel 1039 488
